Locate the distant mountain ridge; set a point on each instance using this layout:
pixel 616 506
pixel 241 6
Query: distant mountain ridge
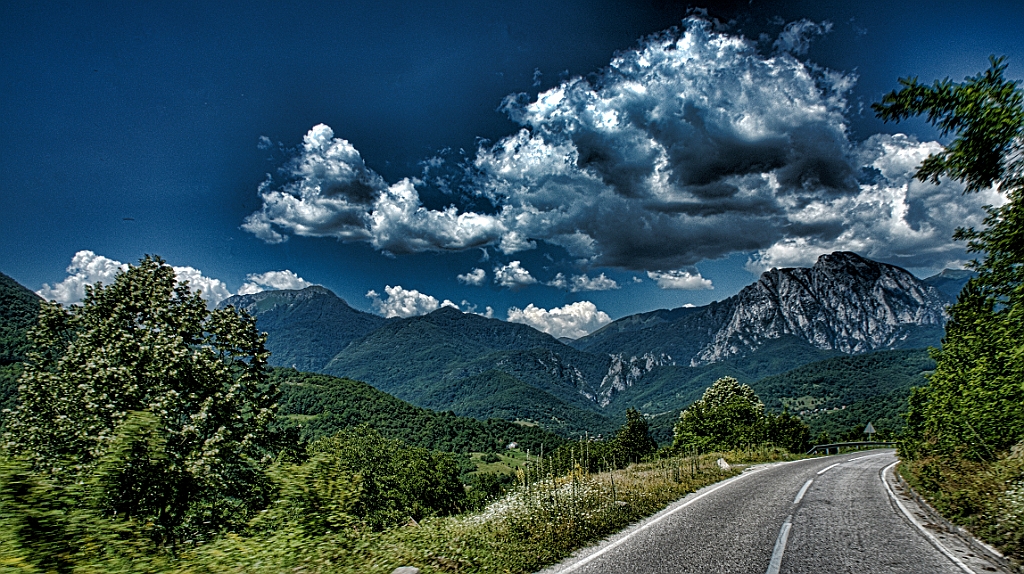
pixel 656 361
pixel 844 302
pixel 309 326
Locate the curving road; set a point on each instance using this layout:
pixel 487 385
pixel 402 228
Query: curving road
pixel 822 515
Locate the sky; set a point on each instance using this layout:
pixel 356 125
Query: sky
pixel 561 164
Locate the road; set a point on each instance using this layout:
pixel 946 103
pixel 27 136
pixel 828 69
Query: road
pixel 821 515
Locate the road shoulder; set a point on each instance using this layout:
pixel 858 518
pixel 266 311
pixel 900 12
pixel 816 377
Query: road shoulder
pixel 975 554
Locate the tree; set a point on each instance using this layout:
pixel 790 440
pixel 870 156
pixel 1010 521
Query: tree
pixel 727 416
pixel 730 415
pixel 164 400
pixel 975 399
pixel 633 441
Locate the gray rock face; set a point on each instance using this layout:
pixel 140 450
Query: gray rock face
pixel 624 373
pixel 844 303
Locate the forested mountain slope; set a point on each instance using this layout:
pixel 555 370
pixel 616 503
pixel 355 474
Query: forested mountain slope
pixel 322 405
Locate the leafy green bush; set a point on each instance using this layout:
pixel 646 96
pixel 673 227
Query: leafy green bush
pixel 730 416
pixel 397 482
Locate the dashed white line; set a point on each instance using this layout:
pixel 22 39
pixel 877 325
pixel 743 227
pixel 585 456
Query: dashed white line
pixel 803 491
pixel 935 541
pixel 780 545
pixel 828 468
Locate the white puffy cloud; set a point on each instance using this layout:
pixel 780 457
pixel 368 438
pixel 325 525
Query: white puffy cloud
pixel 213 290
pixel 88 268
pixel 256 282
pixel 328 191
pixel 579 283
pixel 692 146
pixel 401 302
pixel 475 277
pixel 573 321
pixel 513 276
pixel 680 279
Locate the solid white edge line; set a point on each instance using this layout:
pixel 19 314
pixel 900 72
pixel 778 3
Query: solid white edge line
pixel 622 540
pixel 935 541
pixel 828 468
pixel 803 491
pixel 780 547
pixel 869 456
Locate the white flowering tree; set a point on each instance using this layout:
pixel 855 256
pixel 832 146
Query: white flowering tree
pixel 163 402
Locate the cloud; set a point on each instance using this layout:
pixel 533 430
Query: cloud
pixel 513 276
pixel 88 268
pixel 213 290
pixel 468 307
pixel 328 191
pixel 475 277
pixel 272 280
pixel 692 146
pixel 893 217
pixel 682 280
pixel 573 321
pixel 402 302
pixel 578 283
pixel 796 37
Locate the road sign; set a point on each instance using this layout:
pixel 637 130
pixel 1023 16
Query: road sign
pixel 869 430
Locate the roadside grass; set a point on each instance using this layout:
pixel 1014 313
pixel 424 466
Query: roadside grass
pixel 985 497
pixel 546 518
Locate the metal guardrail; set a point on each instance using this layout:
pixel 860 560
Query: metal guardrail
pixel 828 447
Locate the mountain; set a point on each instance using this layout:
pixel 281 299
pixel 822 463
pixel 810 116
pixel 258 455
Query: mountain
pixel 950 282
pixel 19 311
pixel 844 303
pixel 305 327
pixel 477 366
pixel 658 361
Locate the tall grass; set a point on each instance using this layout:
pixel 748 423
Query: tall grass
pixel 549 514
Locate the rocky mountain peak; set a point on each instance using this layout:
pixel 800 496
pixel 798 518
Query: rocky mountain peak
pixel 843 302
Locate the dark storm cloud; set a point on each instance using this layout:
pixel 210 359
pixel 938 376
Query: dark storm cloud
pixel 691 147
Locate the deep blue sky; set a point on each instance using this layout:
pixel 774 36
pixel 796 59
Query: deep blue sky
pixel 134 128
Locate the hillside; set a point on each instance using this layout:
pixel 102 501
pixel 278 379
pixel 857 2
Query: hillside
pixel 836 396
pixel 440 360
pixel 307 326
pixel 323 405
pixel 19 310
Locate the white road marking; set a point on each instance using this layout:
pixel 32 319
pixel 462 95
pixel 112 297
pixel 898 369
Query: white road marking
pixel 800 495
pixel 869 456
pixel 828 468
pixel 622 540
pixel 935 541
pixel 780 544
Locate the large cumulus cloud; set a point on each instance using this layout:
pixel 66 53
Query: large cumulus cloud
pixel 328 191
pixel 88 268
pixel 690 147
pixel 573 321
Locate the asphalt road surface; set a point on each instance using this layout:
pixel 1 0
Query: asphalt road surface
pixel 822 515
